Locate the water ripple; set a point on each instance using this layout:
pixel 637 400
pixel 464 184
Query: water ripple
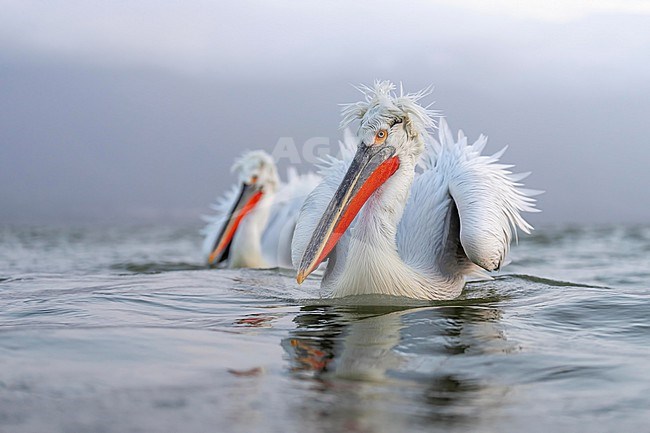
pixel 114 335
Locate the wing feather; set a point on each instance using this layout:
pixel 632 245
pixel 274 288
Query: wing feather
pixel 463 210
pixel 490 202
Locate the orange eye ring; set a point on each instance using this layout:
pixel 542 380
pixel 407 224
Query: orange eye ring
pixel 381 136
pixel 254 179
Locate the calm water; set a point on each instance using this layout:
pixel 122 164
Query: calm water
pixel 121 330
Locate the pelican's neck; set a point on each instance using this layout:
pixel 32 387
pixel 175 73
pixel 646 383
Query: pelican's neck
pixel 377 221
pixel 373 264
pixel 246 248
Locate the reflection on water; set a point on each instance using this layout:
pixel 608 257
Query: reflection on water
pixel 383 368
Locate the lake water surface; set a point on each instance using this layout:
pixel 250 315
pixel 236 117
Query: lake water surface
pixel 120 329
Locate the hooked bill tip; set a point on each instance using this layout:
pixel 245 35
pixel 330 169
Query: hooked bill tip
pixel 213 257
pixel 300 277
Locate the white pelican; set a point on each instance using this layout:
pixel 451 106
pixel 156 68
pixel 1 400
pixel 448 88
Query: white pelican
pixel 405 215
pixel 254 222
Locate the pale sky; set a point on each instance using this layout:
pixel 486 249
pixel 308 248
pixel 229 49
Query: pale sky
pixel 134 111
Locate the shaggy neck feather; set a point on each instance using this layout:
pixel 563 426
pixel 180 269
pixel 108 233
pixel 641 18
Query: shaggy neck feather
pixel 373 265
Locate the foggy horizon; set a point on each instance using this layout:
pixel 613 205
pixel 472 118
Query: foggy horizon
pixel 116 113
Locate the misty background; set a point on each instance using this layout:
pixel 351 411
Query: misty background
pixel 134 111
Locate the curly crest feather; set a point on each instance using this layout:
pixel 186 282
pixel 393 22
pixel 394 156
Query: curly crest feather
pixel 383 106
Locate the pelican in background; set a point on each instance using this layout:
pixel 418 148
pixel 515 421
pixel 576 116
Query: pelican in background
pixel 403 214
pixel 254 222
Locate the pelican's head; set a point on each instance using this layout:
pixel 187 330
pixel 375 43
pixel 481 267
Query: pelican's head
pixel 392 132
pixel 388 120
pixel 258 177
pixel 257 168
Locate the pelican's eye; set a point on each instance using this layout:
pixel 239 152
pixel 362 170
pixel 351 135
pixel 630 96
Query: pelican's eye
pixel 380 136
pixel 254 179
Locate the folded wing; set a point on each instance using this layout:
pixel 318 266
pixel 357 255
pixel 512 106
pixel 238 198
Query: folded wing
pixel 463 210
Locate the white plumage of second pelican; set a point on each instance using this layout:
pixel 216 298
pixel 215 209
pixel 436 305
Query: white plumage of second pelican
pixel 254 220
pixel 403 214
